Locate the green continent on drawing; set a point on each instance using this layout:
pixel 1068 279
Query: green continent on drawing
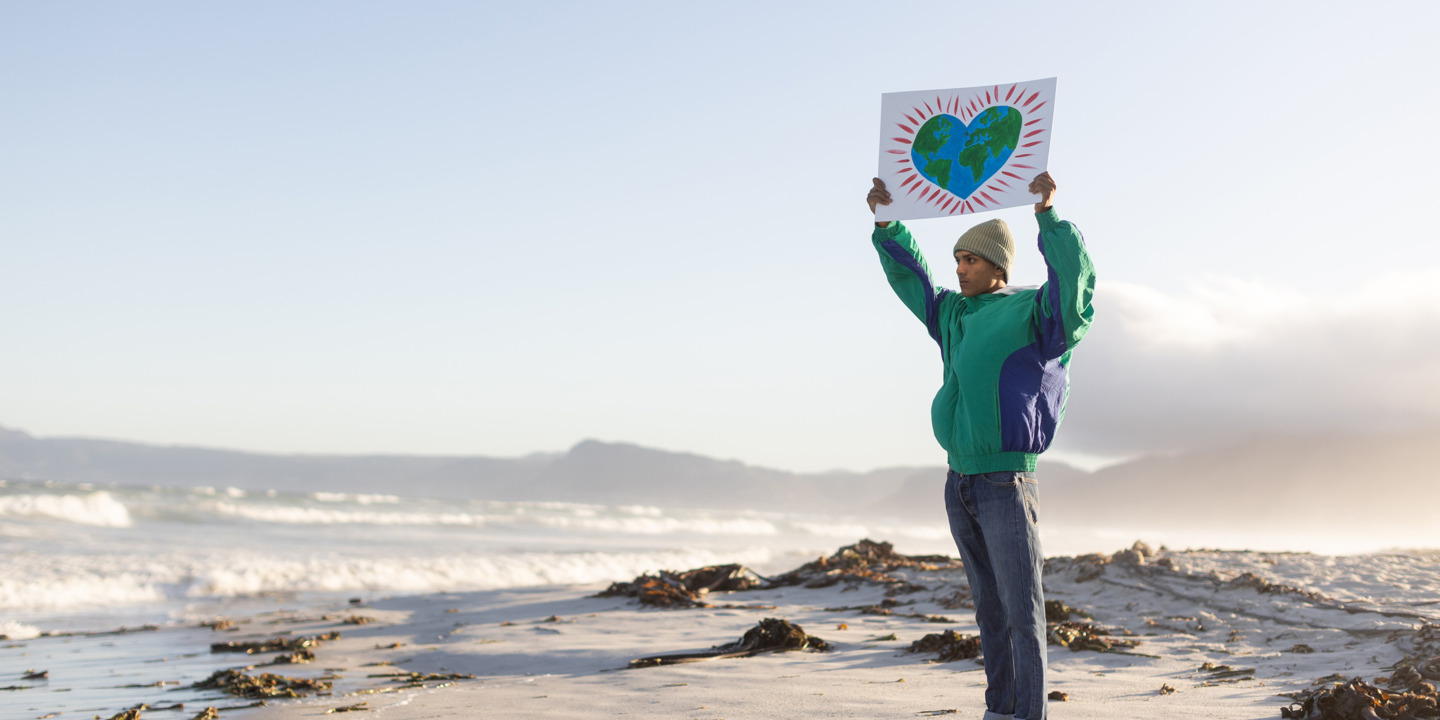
pixel 938 169
pixel 934 134
pixel 982 147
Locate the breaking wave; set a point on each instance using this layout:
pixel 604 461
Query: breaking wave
pixel 34 582
pixel 97 508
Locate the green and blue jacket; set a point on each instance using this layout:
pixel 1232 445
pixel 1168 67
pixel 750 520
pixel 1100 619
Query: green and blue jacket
pixel 1006 354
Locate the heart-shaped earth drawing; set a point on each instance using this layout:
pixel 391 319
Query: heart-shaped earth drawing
pixel 960 157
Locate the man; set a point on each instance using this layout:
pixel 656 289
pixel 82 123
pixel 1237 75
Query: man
pixel 1006 353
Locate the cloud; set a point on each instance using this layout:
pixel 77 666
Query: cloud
pixel 1229 359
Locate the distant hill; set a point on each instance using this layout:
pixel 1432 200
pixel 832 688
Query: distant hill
pixel 1275 481
pixel 590 472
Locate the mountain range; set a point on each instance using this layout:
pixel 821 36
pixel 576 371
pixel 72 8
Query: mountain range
pixel 1278 479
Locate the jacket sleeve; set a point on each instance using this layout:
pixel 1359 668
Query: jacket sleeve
pixel 909 276
pixel 1064 310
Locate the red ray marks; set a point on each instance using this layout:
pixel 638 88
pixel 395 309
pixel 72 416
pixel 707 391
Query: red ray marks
pixel 1002 182
pixel 1024 155
pixel 1032 98
pixel 978 201
pixel 906 169
pixel 939 104
pixel 987 197
pixel 1032 144
pixel 913 188
pixel 987 97
pixel 953 101
pixel 1006 172
pixel 896 152
pixel 924 193
pixel 1033 133
pixel 997 93
pixel 967 207
pixel 917 112
pixel 1009 92
pixel 1027 167
pixel 912 120
pixel 1037 107
pixel 973 107
pixel 909 180
pixel 1032 122
pixel 947 204
pixel 903 140
pixel 905 128
pixel 927 109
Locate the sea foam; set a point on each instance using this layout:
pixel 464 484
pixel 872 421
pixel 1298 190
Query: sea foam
pixel 98 508
pixel 35 582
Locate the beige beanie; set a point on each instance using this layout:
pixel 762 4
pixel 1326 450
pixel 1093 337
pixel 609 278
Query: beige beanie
pixel 990 240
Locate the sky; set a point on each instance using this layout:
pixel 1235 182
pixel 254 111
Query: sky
pixel 495 229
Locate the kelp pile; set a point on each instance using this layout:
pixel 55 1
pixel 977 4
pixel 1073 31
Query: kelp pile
pixel 276 644
pixel 949 646
pixel 865 561
pixel 1359 700
pixel 684 589
pixel 262 686
pixel 1056 612
pixel 1085 636
pixel 769 635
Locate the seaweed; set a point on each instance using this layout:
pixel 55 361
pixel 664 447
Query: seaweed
pixel 276 644
pixel 672 589
pixel 1359 700
pixel 1086 636
pixel 865 561
pixel 264 685
pixel 769 635
pixel 1056 611
pixel 950 646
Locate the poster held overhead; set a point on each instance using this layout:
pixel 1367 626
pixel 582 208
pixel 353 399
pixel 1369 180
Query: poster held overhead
pixel 965 150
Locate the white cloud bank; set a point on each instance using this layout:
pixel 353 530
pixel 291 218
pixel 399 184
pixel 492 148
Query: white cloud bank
pixel 1226 359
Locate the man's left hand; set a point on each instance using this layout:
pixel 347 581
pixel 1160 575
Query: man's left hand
pixel 1044 186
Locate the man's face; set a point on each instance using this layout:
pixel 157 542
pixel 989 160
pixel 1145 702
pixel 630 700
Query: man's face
pixel 977 275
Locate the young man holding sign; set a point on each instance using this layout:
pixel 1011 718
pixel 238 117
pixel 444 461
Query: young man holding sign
pixel 1006 353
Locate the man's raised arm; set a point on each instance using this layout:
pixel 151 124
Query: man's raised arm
pixel 905 266
pixel 1064 307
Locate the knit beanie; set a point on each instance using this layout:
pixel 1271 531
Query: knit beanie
pixel 990 240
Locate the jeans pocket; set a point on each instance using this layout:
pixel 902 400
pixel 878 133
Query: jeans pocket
pixel 1002 479
pixel 1030 491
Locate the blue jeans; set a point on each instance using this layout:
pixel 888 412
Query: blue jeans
pixel 993 517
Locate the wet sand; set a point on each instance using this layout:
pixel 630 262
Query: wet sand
pixel 1193 635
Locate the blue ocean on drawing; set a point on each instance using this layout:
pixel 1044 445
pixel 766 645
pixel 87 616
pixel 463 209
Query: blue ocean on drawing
pixel 961 158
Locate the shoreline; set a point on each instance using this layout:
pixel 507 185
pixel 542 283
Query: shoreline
pixel 565 652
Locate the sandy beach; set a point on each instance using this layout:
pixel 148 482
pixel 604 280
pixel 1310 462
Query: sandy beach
pixel 1172 634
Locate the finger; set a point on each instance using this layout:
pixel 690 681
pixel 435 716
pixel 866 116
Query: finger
pixel 878 183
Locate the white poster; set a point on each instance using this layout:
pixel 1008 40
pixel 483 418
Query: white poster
pixel 963 151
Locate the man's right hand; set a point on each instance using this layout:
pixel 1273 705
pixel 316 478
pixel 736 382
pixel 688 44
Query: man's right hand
pixel 878 196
